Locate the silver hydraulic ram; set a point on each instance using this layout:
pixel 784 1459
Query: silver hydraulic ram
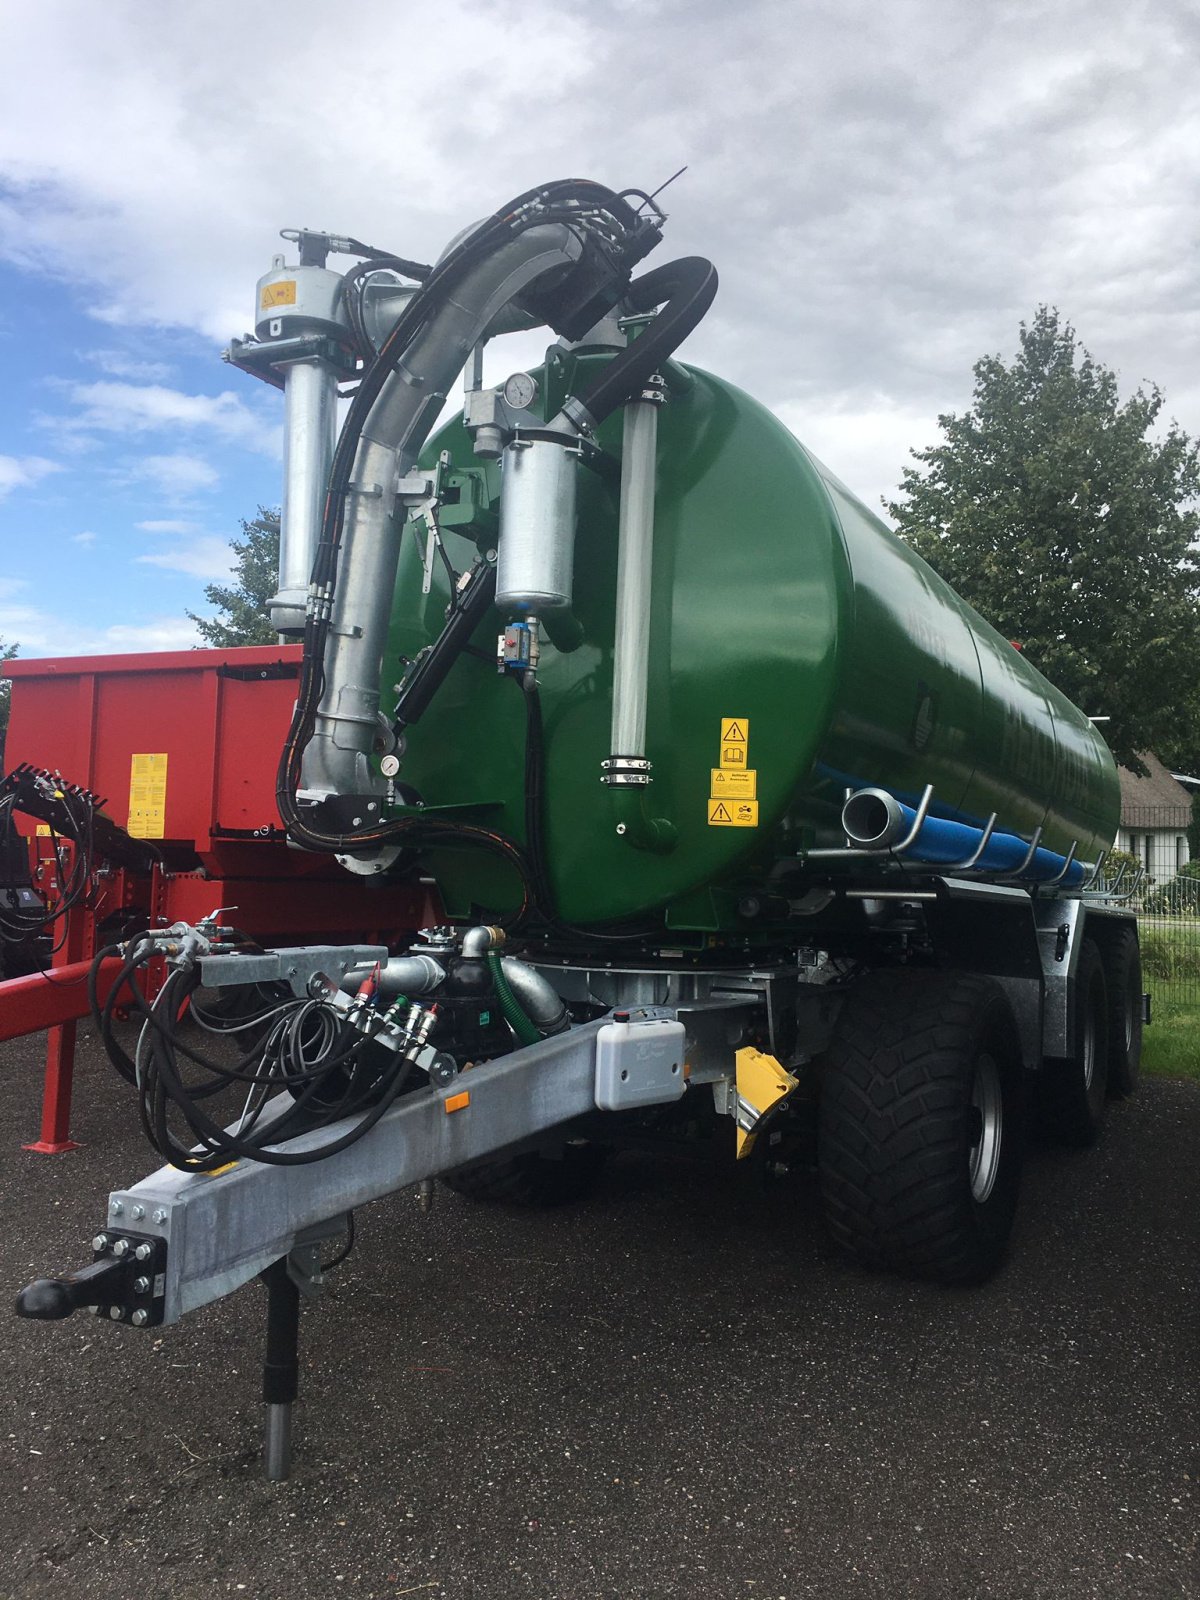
pixel 348 722
pixel 627 768
pixel 310 424
pixel 302 332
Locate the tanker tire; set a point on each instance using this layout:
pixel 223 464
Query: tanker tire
pixel 1073 1090
pixel 922 1082
pixel 1123 974
pixel 531 1180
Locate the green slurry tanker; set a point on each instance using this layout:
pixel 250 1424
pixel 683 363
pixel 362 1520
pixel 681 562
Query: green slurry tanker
pixel 741 822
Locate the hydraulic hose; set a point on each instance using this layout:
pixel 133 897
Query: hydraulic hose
pixel 429 671
pixel 688 287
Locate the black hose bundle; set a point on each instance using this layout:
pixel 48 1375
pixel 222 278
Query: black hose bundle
pixel 305 1050
pixel 354 285
pixel 72 842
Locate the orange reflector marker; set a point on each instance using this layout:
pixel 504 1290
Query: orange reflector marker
pixel 458 1102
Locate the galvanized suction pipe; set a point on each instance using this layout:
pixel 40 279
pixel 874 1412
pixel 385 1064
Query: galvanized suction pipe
pixel 310 423
pixel 348 722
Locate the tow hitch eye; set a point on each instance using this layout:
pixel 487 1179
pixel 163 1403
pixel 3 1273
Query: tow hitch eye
pixel 124 1282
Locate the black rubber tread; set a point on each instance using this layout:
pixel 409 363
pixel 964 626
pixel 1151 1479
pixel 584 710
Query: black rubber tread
pixel 896 1124
pixel 1123 974
pixel 531 1179
pixel 1071 1111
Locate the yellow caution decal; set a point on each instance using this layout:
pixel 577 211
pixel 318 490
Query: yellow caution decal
pixel 735 744
pixel 732 813
pixel 761 1084
pixel 280 293
pixel 732 785
pixel 148 796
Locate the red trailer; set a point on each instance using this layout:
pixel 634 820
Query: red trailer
pixel 183 747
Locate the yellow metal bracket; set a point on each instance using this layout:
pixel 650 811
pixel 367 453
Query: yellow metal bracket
pixel 761 1084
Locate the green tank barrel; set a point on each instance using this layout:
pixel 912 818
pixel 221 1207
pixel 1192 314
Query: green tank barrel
pixel 798 648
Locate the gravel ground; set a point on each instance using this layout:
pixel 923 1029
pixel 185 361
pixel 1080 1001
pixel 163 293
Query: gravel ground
pixel 673 1390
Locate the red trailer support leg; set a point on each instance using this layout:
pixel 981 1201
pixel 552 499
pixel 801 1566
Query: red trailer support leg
pixel 75 952
pixel 56 1093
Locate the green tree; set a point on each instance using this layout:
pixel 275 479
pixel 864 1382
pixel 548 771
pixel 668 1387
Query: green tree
pixel 244 602
pixel 1067 519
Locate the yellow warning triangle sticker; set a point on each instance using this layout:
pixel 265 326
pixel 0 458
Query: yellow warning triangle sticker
pixel 718 812
pixel 732 732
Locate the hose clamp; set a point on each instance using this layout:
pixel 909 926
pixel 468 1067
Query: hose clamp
pixel 626 772
pixel 655 392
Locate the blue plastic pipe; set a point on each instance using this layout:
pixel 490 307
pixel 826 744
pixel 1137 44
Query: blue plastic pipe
pixel 941 843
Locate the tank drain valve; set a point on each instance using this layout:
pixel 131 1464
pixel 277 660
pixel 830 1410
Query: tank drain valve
pixel 518 648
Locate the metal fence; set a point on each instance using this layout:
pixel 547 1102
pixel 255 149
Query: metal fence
pixel 1165 883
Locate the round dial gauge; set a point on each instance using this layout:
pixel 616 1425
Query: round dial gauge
pixel 520 391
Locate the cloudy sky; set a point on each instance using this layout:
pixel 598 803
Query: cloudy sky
pixel 886 188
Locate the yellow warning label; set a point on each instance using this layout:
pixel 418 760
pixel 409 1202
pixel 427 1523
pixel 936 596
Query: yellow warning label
pixel 282 293
pixel 735 730
pixel 148 796
pixel 733 813
pixel 731 785
pixel 43 830
pixel 733 757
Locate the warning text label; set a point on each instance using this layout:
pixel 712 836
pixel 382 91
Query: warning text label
pixel 733 813
pixel 727 784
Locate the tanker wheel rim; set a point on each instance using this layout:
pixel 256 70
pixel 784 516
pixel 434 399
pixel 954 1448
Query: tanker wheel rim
pixel 987 1134
pixel 1087 1048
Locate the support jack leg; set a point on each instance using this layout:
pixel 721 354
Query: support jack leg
pixel 281 1368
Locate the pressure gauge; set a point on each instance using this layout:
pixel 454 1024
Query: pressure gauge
pixel 520 391
pixel 390 766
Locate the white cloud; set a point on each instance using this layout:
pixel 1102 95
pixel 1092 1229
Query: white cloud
pixel 84 539
pixel 43 633
pixel 176 477
pixel 209 558
pixel 119 365
pixel 21 472
pixel 167 525
pixel 130 409
pixel 87 193
pixel 160 633
pixel 886 190
pixel 865 441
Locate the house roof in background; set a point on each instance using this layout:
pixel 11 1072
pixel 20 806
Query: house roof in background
pixel 1155 801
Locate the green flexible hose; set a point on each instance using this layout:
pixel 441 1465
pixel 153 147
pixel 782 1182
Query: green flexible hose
pixel 510 1006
